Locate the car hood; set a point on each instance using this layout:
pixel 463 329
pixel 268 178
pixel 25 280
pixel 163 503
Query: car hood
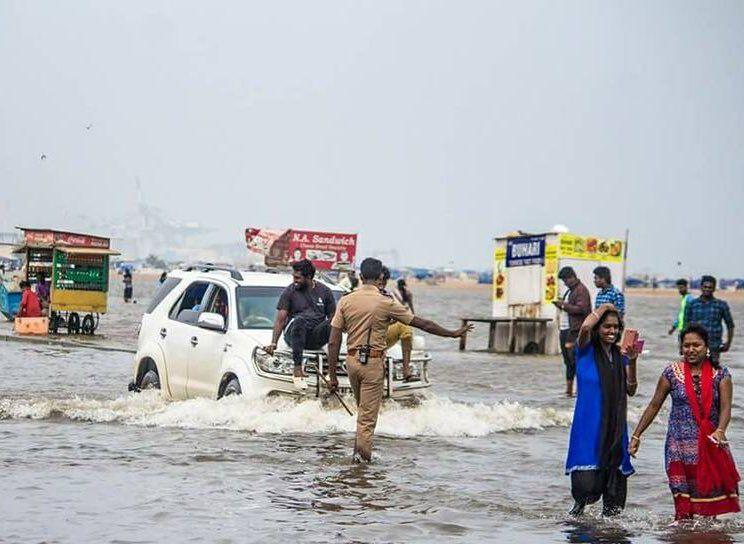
pixel 262 337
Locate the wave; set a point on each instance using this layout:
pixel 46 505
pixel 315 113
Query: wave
pixel 433 416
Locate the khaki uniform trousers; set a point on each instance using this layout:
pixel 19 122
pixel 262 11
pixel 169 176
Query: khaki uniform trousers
pixel 398 331
pixel 367 383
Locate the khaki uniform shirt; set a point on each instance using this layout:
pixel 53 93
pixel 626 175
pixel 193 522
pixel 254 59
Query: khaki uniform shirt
pixel 367 308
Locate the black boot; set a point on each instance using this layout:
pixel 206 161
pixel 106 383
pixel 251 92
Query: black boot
pixel 611 510
pixel 577 510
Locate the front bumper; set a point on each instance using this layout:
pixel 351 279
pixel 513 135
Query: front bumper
pixel 316 362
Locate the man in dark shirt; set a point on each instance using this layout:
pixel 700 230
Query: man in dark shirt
pixel 577 306
pixel 711 313
pixel 308 306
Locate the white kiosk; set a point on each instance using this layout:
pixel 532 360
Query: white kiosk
pixel 525 284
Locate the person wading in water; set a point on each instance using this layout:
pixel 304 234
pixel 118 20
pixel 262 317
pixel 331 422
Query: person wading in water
pixel 366 315
pixel 598 460
pixel 701 471
pixel 576 305
pixel 711 313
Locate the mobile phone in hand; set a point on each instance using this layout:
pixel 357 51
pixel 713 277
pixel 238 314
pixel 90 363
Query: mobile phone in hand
pixel 628 340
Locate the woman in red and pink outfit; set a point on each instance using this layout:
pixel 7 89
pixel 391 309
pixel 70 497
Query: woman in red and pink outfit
pixel 701 470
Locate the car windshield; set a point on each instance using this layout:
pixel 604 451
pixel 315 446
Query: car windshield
pixel 257 306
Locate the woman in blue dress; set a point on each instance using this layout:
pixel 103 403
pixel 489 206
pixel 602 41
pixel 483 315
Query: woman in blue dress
pixel 598 459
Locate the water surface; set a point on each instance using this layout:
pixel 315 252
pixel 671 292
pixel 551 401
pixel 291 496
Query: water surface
pixel 480 459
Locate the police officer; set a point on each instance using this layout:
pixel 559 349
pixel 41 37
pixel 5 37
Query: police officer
pixel 365 315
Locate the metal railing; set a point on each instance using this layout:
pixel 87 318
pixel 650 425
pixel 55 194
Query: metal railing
pixel 316 363
pixel 209 267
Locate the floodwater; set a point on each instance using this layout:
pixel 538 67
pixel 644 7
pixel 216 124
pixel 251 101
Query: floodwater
pixel 481 459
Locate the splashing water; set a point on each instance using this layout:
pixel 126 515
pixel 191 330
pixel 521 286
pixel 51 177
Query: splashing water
pixel 432 417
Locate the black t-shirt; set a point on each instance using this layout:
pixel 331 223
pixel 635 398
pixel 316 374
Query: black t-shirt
pixel 315 303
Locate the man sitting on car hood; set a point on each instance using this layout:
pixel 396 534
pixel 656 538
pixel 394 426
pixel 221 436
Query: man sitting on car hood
pixel 305 308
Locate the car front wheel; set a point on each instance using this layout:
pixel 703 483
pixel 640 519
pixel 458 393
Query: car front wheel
pixel 150 380
pixel 232 388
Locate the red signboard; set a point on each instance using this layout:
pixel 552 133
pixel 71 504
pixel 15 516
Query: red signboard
pixel 52 237
pixel 326 250
pixel 270 243
pixel 261 240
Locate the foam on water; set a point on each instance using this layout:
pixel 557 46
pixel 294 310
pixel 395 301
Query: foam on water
pixel 433 416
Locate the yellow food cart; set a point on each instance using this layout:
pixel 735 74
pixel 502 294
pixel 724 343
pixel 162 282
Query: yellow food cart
pixel 75 268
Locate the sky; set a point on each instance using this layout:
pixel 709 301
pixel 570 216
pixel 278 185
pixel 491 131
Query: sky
pixel 426 127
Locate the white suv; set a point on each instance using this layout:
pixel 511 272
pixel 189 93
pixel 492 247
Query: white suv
pixel 202 333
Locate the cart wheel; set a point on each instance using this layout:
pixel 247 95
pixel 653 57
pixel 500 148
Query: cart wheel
pixel 73 323
pixel 88 325
pixel 95 325
pixel 54 323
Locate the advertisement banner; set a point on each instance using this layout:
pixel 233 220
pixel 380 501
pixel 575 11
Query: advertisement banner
pixel 551 274
pixel 49 237
pixel 590 248
pixel 261 240
pixel 525 251
pixel 34 237
pixel 499 274
pixel 326 250
pixel 271 243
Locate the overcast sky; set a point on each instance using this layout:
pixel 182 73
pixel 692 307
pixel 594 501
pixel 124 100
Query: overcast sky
pixel 428 127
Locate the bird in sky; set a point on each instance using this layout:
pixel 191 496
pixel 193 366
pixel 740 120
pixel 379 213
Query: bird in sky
pixel 88 127
pixel 43 156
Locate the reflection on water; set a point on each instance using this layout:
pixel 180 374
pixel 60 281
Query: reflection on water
pixel 359 486
pixel 605 532
pixel 337 484
pixel 584 532
pixel 697 532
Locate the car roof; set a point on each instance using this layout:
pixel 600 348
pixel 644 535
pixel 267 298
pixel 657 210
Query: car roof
pixel 250 278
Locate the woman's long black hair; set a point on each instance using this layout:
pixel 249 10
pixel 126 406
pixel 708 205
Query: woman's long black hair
pixel 702 332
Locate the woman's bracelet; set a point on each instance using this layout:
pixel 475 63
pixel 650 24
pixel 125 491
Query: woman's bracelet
pixel 632 383
pixel 636 437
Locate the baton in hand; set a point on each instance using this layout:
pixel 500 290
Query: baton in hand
pixel 336 393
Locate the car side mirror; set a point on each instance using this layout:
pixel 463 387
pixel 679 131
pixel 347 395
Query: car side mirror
pixel 211 321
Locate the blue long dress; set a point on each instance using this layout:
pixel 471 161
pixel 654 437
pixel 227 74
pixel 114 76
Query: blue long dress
pixel 584 449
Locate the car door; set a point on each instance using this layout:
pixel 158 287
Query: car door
pixel 176 336
pixel 208 346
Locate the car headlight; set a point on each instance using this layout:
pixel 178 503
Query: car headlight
pixel 279 363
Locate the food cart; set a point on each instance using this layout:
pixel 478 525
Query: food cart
pixel 77 269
